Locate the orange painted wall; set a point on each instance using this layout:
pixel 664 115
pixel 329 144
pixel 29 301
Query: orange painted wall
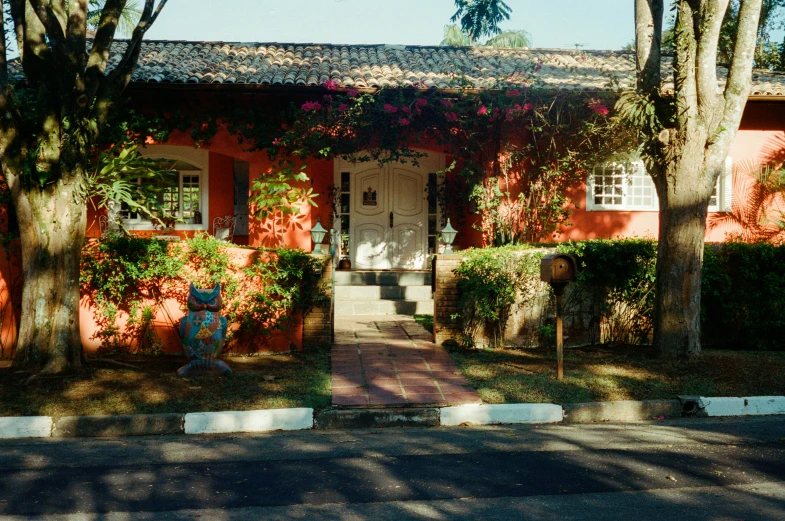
pixel 10 298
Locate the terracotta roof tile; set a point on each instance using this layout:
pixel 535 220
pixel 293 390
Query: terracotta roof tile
pixel 364 66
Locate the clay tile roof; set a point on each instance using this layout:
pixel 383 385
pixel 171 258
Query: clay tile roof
pixel 372 66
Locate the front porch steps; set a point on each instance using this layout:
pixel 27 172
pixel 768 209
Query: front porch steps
pixel 383 292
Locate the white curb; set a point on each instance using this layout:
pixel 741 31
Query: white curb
pixel 481 414
pixel 765 405
pixel 249 421
pixel 26 427
pixel 722 406
pixel 750 406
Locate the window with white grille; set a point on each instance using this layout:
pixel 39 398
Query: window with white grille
pixel 627 186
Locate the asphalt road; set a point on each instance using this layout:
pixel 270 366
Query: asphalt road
pixel 685 470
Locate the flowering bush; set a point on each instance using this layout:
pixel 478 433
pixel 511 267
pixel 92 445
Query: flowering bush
pixel 518 149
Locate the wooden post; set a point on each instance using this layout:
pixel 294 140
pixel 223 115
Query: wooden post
pixel 559 339
pixel 558 270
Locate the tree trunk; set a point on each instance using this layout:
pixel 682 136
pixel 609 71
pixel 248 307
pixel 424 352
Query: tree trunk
pixel 52 225
pixel 684 193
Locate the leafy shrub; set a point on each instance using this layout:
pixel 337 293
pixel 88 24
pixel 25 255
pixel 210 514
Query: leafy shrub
pixel 118 273
pixel 285 282
pixel 121 269
pixel 616 283
pixel 491 282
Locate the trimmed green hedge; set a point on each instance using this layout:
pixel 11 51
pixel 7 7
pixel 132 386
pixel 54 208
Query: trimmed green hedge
pixel 743 296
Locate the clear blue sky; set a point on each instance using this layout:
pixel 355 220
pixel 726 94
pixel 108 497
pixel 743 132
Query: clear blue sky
pixel 595 24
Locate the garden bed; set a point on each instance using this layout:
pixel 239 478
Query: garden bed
pixel 106 387
pixel 616 373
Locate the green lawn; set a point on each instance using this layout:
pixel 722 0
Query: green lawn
pixel 622 373
pixel 260 382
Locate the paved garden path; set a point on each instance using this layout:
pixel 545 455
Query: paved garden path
pixel 392 360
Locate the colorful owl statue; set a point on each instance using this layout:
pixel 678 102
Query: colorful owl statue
pixel 203 330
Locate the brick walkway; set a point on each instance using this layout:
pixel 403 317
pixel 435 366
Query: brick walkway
pixel 392 360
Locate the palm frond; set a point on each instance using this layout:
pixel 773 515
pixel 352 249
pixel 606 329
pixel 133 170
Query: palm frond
pixel 510 39
pixel 756 214
pixel 128 19
pixel 454 37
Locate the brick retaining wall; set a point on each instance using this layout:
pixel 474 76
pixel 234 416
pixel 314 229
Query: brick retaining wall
pixel 445 298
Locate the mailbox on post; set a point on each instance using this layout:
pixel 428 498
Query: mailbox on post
pixel 558 270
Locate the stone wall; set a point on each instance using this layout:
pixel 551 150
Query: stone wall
pixel 318 322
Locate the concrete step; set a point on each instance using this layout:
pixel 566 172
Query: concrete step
pixel 383 307
pixel 383 278
pixel 383 292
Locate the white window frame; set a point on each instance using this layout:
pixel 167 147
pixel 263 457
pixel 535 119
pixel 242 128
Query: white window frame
pixel 724 191
pixel 198 158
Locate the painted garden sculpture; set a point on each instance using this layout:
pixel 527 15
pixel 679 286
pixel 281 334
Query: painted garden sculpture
pixel 203 330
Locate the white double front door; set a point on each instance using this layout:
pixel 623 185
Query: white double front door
pixel 388 213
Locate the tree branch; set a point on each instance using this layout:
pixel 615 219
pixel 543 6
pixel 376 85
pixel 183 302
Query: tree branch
pixel 33 48
pixel 102 44
pixel 684 66
pixel 76 28
pixel 710 22
pixel 18 16
pixel 120 76
pixel 3 53
pixel 648 40
pixel 128 62
pixel 55 32
pixel 740 75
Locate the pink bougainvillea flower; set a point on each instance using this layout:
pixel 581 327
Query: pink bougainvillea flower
pixel 528 106
pixel 331 85
pixel 482 111
pixel 421 102
pixel 404 121
pixel 343 107
pixel 451 116
pixel 277 141
pixel 598 106
pixel 405 110
pixel 390 109
pixel 513 93
pixel 352 93
pixel 328 98
pixel 309 106
pixel 447 103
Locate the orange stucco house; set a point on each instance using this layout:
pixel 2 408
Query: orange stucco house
pixel 384 220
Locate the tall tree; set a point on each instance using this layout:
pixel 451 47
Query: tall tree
pixel 687 135
pixel 480 18
pixel 56 100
